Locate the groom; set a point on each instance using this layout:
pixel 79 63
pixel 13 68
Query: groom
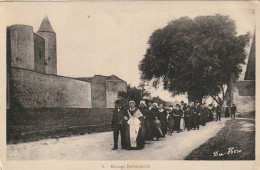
pixel 118 124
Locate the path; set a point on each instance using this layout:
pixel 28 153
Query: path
pixel 97 146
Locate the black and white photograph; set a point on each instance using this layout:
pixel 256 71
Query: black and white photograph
pixel 119 81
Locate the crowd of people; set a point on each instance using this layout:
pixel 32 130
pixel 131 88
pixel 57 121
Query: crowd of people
pixel 150 122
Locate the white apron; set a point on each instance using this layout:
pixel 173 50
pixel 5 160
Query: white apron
pixel 182 124
pixel 134 124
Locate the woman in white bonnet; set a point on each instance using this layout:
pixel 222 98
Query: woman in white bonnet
pixel 135 132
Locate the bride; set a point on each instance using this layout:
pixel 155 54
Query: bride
pixel 135 137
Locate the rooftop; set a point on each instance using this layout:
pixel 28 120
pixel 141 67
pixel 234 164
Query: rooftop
pixel 46 25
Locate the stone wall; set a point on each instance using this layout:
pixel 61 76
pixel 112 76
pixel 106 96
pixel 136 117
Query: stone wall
pixel 98 90
pixel 29 89
pixel 244 96
pixel 112 89
pixel 25 125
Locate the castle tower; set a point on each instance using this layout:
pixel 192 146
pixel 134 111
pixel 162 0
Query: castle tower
pixel 49 35
pixel 20 47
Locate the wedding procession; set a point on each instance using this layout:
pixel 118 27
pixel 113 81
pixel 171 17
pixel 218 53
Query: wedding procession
pixel 149 122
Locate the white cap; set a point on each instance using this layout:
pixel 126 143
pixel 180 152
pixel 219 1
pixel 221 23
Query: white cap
pixel 143 102
pixel 156 104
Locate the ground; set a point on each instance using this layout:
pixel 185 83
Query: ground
pixel 236 141
pixel 97 146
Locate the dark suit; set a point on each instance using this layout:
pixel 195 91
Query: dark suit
pixel 188 117
pixel 197 112
pixel 233 111
pixel 118 126
pixel 218 110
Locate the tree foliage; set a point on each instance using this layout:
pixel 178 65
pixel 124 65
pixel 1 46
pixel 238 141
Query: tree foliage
pixel 138 94
pixel 133 93
pixel 195 56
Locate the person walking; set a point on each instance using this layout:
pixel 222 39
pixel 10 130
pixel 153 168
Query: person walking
pixel 177 118
pixel 197 112
pixel 189 116
pixel 182 121
pixel 135 133
pixel 170 120
pixel 162 114
pixel 118 124
pixel 218 111
pixel 233 111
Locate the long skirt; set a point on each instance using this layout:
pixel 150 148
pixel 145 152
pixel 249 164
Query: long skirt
pixel 182 124
pixel 140 139
pixel 148 130
pixel 164 127
pixel 159 128
pixel 170 124
pixel 176 124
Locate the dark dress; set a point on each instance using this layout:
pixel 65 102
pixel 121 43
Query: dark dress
pixel 140 139
pixel 162 114
pixel 145 112
pixel 170 121
pixel 188 117
pixel 177 118
pixel 149 125
pixel 155 127
pixel 196 117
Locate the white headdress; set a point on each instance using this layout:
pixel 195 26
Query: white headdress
pixel 156 104
pixel 143 102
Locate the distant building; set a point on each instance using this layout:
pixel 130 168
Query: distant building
pixel 243 93
pixel 32 80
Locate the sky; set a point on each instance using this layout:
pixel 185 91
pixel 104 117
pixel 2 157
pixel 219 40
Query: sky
pixel 105 38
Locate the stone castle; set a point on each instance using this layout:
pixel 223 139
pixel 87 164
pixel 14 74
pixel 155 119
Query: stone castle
pixel 32 80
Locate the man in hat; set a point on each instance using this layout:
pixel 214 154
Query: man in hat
pixel 197 112
pixel 189 116
pixel 118 124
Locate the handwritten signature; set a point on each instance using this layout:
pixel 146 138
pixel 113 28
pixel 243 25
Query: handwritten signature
pixel 230 151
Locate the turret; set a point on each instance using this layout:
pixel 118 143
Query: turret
pixel 20 47
pixel 46 31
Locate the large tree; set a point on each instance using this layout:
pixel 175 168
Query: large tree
pixel 197 57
